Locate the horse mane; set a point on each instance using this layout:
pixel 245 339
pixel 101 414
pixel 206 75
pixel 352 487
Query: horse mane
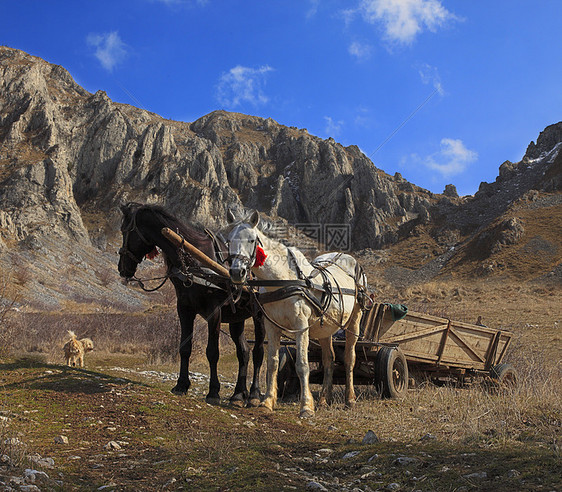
pixel 198 238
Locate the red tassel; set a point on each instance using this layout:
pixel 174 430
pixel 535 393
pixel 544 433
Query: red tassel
pixel 153 254
pixel 260 256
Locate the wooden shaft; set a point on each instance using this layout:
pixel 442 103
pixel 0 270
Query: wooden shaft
pixel 196 253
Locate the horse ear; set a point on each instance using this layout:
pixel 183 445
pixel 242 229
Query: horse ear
pixel 124 208
pixel 230 217
pixel 254 218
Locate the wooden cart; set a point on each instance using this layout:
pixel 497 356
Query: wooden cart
pixel 394 354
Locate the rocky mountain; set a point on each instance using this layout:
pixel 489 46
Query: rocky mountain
pixel 509 227
pixel 68 158
pixel 76 151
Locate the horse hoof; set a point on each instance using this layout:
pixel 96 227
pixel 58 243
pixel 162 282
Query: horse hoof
pixel 349 404
pixel 254 402
pixel 180 391
pixel 264 407
pixel 306 414
pixel 213 400
pixel 237 403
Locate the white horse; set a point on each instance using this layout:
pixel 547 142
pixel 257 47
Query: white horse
pixel 309 313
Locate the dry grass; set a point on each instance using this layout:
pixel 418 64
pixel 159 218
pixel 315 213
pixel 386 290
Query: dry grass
pixel 523 420
pixel 105 276
pixel 152 337
pixel 12 451
pixel 8 300
pixel 529 413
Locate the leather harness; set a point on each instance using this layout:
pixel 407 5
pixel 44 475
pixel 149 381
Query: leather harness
pixel 286 288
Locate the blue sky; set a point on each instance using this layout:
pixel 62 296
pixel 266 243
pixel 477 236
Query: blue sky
pixel 440 91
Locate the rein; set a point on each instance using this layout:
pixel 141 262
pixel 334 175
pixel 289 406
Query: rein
pixel 189 275
pixel 140 282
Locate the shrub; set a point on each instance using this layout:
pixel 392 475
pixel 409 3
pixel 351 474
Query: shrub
pixel 8 302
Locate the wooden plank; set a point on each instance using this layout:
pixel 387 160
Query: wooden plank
pixel 199 255
pixel 391 329
pixel 493 350
pixel 507 342
pixel 466 345
pixel 419 355
pixel 430 347
pixel 426 317
pixel 480 342
pixel 412 356
pixel 477 366
pixel 443 342
pixel 369 322
pixel 416 334
pixel 378 321
pixel 475 328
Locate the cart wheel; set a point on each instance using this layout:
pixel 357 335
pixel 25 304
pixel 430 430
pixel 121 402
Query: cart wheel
pixel 504 376
pixel 391 372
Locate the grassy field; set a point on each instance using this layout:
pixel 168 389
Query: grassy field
pixel 436 438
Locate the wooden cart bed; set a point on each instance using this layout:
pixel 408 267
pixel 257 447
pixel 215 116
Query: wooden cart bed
pixel 437 341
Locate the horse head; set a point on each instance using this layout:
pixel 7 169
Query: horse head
pixel 136 244
pixel 243 246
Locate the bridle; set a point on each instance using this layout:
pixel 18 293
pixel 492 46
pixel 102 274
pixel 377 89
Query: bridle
pixel 247 261
pixel 125 251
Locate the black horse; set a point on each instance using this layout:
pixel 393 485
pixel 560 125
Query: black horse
pixel 141 229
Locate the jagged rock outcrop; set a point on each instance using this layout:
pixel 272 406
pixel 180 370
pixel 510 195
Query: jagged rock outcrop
pixel 451 190
pixel 496 239
pixel 64 149
pixel 542 173
pixel 503 233
pixel 547 140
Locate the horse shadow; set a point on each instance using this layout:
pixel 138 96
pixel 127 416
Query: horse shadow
pixel 63 379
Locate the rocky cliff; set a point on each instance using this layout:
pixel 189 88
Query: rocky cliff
pixel 68 158
pixel 65 150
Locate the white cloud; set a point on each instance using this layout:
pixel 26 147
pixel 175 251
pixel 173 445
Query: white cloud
pixel 243 85
pixel 363 117
pixel 313 10
pixel 452 159
pixel 110 49
pixel 403 20
pixel 360 51
pixel 347 16
pixel 430 75
pixel 333 128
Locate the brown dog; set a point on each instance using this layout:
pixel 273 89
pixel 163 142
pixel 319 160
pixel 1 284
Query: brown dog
pixel 75 349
